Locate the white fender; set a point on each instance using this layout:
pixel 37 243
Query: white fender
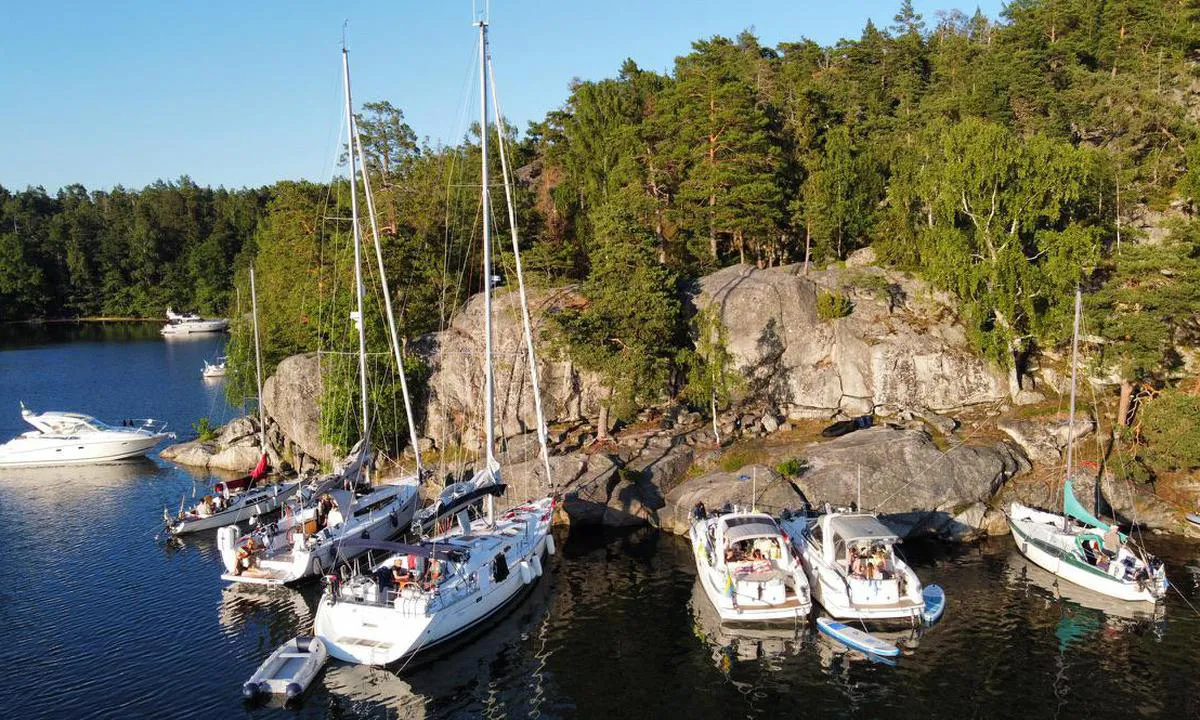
pixel 526 572
pixel 550 544
pixel 227 538
pixel 536 563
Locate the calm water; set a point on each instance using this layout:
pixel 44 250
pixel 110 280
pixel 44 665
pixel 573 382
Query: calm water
pixel 102 621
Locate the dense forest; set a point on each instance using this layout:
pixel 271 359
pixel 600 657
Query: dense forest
pixel 1004 160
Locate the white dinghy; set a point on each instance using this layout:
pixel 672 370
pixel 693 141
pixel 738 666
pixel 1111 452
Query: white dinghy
pixel 68 438
pixel 288 671
pixel 747 568
pixel 450 581
pixel 1078 547
pixel 853 568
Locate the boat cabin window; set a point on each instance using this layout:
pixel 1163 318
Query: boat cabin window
pixel 499 568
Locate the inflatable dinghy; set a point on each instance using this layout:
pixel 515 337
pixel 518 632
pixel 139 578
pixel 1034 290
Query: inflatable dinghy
pixel 288 671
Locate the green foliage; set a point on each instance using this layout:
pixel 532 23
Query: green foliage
pixel 733 460
pixel 205 432
pixel 792 467
pixel 833 305
pixel 1170 431
pixel 711 375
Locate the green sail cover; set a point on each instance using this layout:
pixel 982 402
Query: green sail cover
pixel 1072 507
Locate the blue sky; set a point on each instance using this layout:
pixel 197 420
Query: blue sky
pixel 247 93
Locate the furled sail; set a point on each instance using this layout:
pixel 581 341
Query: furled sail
pixel 1072 507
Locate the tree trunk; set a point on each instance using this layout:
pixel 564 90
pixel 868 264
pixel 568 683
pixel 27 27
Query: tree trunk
pixel 1124 403
pixel 716 432
pixel 602 430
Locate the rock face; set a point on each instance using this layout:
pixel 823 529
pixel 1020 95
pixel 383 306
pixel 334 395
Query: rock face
pixel 235 448
pixel 1044 440
pixel 454 414
pixel 292 399
pixel 900 346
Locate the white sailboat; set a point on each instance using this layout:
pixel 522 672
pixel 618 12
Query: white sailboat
pixel 212 370
pixel 853 568
pixel 247 497
pixel 310 537
pixel 1078 547
pixel 189 323
pixel 430 591
pixel 746 566
pixel 69 438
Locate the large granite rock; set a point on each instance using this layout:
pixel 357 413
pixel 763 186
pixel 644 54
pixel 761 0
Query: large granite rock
pixel 900 347
pixel 292 399
pixel 1045 439
pixel 900 473
pixel 454 414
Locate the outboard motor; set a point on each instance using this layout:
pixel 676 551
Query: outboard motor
pixel 227 538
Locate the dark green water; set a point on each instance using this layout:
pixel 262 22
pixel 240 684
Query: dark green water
pixel 102 621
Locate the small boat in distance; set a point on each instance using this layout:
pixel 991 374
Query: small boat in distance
pixel 853 567
pixel 68 438
pixel 214 370
pixel 188 323
pixel 746 566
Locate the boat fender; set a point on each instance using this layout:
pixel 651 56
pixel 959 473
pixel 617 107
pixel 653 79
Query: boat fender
pixel 293 691
pixel 526 572
pixel 536 562
pixel 550 544
pixel 249 690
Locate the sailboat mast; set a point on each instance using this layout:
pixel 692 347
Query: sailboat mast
pixel 357 316
pixel 262 421
pixel 526 324
pixel 489 387
pixel 387 301
pixel 1074 362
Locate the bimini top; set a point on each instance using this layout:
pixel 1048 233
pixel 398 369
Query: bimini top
pixel 860 527
pixel 746 528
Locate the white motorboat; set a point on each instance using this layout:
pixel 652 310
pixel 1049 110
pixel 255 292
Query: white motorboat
pixel 67 438
pixel 306 541
pixel 1078 547
pixel 189 323
pixel 455 579
pixel 853 568
pixel 426 593
pixel 287 671
pixel 746 567
pixel 214 369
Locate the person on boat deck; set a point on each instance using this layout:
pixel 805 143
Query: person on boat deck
pixel 324 505
pixel 400 574
pixel 1112 541
pixel 206 506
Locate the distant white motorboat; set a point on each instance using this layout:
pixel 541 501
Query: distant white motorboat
pixel 188 323
pixel 67 438
pixel 747 568
pixel 214 370
pixel 853 568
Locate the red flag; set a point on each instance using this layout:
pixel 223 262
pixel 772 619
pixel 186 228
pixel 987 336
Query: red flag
pixel 261 469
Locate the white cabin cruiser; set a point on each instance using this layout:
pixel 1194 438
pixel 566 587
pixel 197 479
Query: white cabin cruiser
pixel 214 369
pixel 853 568
pixel 188 323
pixel 306 540
pixel 746 567
pixel 429 592
pixel 1081 549
pixel 68 438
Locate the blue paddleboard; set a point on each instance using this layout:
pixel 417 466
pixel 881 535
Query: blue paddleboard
pixel 855 638
pixel 935 603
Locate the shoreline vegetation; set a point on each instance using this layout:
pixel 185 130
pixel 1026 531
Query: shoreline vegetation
pixel 1003 161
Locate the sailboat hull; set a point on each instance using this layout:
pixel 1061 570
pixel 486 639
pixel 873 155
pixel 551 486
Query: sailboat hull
pixel 1048 547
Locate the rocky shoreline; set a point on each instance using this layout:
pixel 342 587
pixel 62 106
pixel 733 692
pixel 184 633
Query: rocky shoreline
pixel 955 441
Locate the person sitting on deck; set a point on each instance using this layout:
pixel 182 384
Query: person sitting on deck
pixel 400 575
pixel 1112 541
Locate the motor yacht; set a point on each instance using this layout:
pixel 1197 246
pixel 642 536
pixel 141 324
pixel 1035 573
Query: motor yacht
pixel 68 438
